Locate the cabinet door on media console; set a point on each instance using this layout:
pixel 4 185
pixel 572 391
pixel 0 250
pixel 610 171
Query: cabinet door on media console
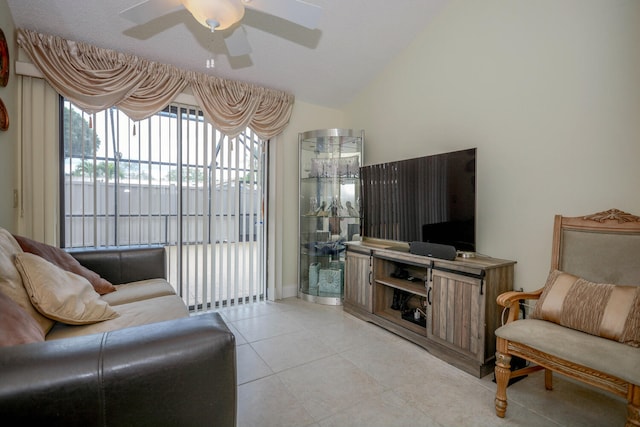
pixel 358 280
pixel 456 313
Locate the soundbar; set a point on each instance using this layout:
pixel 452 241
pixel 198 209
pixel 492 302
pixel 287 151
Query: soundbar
pixel 433 250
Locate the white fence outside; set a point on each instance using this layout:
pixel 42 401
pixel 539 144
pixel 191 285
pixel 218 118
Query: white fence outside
pixel 149 214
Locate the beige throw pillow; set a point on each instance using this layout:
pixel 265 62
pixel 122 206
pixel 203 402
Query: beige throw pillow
pixel 61 295
pixel 11 281
pixel 65 261
pixel 606 310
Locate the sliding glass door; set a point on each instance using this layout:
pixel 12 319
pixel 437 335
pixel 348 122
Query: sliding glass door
pixel 170 180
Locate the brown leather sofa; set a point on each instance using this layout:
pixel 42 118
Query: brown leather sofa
pixel 179 372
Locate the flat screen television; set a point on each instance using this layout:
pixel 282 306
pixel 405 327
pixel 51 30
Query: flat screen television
pixel 427 199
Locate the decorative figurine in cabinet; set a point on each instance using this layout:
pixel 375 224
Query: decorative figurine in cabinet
pixel 329 207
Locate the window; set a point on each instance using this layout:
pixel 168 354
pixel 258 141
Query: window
pixel 170 180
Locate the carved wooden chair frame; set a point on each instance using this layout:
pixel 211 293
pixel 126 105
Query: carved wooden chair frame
pixel 612 221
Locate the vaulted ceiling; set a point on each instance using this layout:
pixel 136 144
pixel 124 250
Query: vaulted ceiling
pixel 327 66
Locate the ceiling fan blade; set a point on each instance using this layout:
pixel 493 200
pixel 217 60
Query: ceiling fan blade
pixel 150 9
pixel 297 11
pixel 237 43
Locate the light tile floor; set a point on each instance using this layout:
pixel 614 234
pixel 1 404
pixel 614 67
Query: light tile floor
pixel 303 364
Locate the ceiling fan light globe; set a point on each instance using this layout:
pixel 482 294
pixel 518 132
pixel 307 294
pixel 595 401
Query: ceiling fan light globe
pixel 224 12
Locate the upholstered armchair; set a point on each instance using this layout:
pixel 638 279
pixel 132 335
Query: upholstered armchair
pixel 586 321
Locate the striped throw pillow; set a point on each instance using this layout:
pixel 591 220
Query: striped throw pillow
pixel 606 310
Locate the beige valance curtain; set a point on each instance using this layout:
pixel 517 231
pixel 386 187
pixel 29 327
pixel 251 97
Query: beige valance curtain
pixel 95 79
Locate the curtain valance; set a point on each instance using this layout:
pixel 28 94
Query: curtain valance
pixel 95 79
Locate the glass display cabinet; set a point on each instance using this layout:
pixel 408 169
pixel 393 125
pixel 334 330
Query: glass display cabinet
pixel 329 197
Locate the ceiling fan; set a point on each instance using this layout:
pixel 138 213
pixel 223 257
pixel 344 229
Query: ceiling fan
pixel 223 14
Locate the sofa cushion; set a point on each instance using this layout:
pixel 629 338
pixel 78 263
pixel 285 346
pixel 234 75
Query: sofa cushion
pixel 138 291
pixel 603 355
pixel 65 261
pixel 606 310
pixel 132 314
pixel 16 325
pixel 59 294
pixel 11 281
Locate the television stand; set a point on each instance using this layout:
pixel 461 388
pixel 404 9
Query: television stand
pixel 455 300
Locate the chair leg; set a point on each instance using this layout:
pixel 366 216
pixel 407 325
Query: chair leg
pixel 633 406
pixel 548 379
pixel 503 373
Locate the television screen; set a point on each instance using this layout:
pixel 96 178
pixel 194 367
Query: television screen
pixel 428 199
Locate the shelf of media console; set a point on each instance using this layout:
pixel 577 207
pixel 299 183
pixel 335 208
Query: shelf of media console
pixel 416 287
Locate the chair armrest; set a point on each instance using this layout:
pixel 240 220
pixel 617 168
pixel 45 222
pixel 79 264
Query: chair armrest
pixel 511 300
pixel 178 372
pixel 506 299
pixel 124 264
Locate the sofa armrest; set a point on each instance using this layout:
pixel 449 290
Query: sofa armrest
pixel 125 265
pixel 178 372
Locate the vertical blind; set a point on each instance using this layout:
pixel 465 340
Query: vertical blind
pixel 170 180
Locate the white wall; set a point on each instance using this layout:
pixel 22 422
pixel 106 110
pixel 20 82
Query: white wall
pixel 9 138
pixel 284 194
pixel 549 92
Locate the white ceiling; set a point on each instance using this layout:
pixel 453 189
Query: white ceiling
pixel 327 66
